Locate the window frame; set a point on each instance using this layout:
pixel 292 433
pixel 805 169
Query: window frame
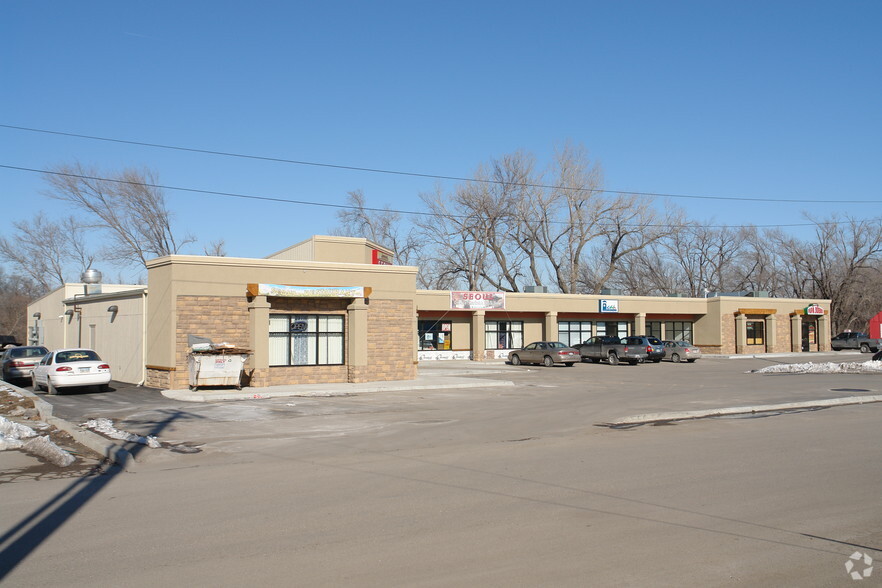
pixel 751 329
pixel 511 334
pixel 314 336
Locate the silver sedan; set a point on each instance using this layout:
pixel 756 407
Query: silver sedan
pixel 677 351
pixel 547 353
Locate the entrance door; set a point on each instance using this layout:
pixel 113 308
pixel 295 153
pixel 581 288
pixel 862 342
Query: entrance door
pixel 808 335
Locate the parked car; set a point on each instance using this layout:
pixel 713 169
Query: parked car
pixel 611 349
pixel 547 353
pixel 677 351
pixel 655 349
pixel 18 362
pixel 67 368
pixel 855 340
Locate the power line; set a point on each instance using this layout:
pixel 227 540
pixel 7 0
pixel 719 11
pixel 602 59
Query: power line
pixel 340 206
pixel 426 175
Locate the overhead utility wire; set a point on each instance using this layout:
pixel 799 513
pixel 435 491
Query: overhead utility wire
pixel 344 206
pixel 430 176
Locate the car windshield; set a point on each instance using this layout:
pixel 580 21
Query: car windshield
pixel 28 352
pixel 76 355
pixel 653 341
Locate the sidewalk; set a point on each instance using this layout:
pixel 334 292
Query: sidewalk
pixel 431 376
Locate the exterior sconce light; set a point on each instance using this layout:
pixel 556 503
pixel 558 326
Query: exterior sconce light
pixel 37 315
pixel 113 308
pixel 69 312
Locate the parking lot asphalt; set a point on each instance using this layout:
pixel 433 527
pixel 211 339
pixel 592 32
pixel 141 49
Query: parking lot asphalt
pixel 140 408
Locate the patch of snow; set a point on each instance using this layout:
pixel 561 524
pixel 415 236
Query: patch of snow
pixel 11 430
pixel 43 447
pixel 11 435
pixel 851 367
pixel 105 427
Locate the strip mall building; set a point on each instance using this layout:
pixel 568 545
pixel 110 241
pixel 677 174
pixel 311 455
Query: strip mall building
pixel 334 309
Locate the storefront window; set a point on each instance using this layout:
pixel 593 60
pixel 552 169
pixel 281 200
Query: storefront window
pixel 678 331
pixel 755 332
pixel 654 329
pixel 573 332
pixel 503 334
pixel 612 328
pixel 306 339
pixel 435 335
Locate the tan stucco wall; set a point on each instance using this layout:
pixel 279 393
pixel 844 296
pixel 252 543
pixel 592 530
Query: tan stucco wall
pixel 713 318
pixel 331 249
pixel 117 337
pixel 218 285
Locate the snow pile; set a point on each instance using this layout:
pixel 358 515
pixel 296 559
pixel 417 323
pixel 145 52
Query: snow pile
pixel 11 392
pixel 43 447
pixel 105 427
pixel 12 433
pixel 852 367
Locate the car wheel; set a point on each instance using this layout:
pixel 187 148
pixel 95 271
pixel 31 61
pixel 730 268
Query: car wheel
pixel 613 358
pixel 50 388
pixel 865 348
pixel 690 360
pixel 515 360
pixel 34 383
pixel 633 362
pixel 104 388
pixel 656 360
pixel 570 363
pixel 675 358
pixel 547 361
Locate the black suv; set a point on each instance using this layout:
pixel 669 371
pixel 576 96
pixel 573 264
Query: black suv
pixel 654 348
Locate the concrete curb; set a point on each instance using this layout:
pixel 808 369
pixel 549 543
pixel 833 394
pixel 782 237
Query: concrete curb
pixel 698 414
pixel 327 390
pixel 101 445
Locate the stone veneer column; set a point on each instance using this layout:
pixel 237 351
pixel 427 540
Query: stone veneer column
pixel 824 332
pixel 740 333
pixel 639 324
pixel 357 348
pixel 550 328
pixel 795 333
pixel 258 319
pixel 478 351
pixel 771 333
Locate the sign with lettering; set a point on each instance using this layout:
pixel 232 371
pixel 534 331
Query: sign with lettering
pixel 306 291
pixel 478 300
pixel 814 309
pixel 607 305
pixel 380 258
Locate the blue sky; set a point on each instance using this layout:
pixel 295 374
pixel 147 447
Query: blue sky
pixel 777 100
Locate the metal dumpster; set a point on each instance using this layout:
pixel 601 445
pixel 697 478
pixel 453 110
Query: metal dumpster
pixel 216 369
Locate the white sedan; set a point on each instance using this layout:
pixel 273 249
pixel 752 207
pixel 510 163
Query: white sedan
pixel 66 368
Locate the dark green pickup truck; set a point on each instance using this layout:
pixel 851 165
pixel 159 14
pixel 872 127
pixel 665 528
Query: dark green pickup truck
pixel 854 340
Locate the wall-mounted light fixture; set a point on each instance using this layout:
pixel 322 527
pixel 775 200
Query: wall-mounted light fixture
pixel 37 315
pixel 68 312
pixel 113 308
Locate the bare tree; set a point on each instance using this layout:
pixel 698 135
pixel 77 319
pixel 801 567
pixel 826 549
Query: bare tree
pixel 455 236
pixel 384 227
pixel 43 250
pixel 216 248
pixel 128 204
pixel 16 292
pixel 840 262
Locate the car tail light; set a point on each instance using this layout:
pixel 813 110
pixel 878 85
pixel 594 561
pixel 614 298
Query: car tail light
pixel 64 368
pixel 103 366
pixel 648 349
pixel 19 364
